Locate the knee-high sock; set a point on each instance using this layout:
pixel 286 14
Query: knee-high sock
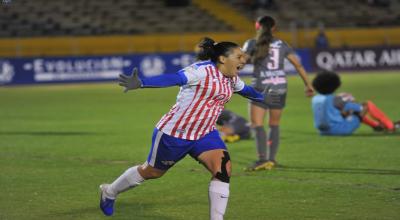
pixel 129 179
pixel 369 121
pixel 261 142
pixel 218 193
pixel 273 141
pixel 378 114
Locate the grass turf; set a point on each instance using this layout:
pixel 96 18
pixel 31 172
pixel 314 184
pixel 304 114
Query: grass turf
pixel 59 142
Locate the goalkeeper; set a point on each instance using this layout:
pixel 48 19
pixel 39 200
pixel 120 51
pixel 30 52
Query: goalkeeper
pixel 340 114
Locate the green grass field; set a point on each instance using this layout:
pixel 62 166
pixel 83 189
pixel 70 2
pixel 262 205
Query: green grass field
pixel 59 142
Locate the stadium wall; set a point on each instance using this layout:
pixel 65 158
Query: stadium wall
pixel 109 45
pixel 72 69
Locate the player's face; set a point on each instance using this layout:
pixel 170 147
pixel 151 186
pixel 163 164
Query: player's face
pixel 233 63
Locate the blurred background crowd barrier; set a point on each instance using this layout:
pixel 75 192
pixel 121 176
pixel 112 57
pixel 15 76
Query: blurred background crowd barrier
pixel 68 41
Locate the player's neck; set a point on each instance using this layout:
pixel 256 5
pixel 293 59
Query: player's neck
pixel 224 71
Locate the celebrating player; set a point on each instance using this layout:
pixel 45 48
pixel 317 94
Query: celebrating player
pixel 341 115
pixel 189 127
pixel 267 53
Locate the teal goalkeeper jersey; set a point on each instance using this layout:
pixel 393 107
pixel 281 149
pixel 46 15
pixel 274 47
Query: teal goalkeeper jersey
pixel 326 115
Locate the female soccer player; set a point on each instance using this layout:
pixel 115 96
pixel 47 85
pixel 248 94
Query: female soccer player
pixel 267 53
pixel 189 127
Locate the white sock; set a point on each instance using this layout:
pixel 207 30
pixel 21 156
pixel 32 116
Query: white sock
pixel 218 193
pixel 129 179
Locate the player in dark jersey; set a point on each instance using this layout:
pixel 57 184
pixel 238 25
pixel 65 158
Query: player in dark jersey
pixel 267 53
pixel 233 127
pixel 341 114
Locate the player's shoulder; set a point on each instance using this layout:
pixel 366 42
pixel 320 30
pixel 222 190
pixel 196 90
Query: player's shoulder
pixel 250 43
pixel 197 66
pixel 276 42
pixel 251 40
pixel 320 97
pixel 197 70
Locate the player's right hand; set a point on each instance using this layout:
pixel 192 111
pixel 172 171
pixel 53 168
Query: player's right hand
pixel 130 82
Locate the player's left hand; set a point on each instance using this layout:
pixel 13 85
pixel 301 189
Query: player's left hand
pixel 130 82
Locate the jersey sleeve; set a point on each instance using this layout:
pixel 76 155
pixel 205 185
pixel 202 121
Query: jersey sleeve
pixel 339 102
pixel 238 84
pixel 193 75
pixel 250 93
pixel 345 102
pixel 164 80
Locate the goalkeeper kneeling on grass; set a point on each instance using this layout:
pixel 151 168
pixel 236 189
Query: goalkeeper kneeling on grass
pixel 340 114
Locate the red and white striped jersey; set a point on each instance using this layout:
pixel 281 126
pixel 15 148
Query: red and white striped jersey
pixel 199 102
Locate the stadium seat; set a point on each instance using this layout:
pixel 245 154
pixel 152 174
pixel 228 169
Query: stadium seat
pixel 90 17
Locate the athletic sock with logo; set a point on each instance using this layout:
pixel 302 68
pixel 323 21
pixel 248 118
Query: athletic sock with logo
pixel 129 179
pixel 218 193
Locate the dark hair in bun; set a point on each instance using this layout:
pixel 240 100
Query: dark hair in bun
pixel 210 50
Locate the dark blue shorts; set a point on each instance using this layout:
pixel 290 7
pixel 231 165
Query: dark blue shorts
pixel 166 150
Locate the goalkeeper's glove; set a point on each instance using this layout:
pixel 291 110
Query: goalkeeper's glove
pixel 130 82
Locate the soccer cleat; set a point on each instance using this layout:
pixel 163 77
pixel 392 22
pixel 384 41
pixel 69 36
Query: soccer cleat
pixel 261 165
pixel 231 138
pixel 106 204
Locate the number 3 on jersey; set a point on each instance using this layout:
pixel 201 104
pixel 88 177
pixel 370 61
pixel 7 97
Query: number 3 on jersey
pixel 273 59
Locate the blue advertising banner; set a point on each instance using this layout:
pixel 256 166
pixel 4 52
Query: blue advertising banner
pixel 101 68
pixel 87 68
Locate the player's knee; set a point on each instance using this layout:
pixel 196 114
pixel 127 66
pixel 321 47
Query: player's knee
pixel 148 172
pixel 225 174
pixel 156 174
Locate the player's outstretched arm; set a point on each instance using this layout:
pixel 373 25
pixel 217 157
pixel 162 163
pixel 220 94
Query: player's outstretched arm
pixel 308 89
pixel 164 80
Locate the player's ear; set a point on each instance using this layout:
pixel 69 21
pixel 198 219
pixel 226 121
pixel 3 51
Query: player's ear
pixel 222 59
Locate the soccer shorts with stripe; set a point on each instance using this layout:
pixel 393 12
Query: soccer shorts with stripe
pixel 166 150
